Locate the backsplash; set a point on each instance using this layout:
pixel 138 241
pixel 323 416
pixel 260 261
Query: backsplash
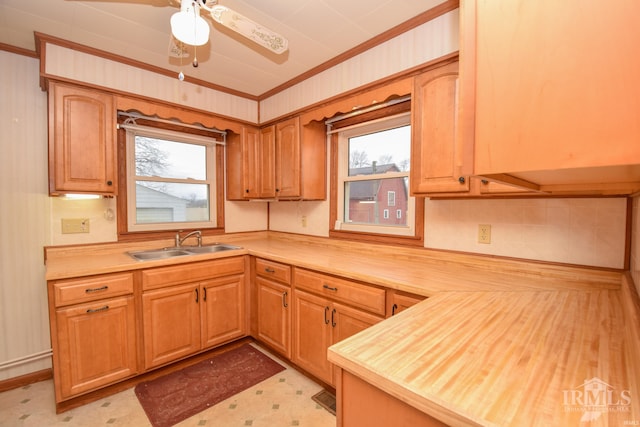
pixel 586 231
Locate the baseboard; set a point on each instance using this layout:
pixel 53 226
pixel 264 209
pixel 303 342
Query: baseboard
pixel 26 379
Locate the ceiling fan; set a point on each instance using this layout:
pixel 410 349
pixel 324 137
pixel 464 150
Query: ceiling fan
pixel 188 27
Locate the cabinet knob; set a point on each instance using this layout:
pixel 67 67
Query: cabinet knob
pixel 277 190
pixel 246 191
pixel 461 180
pixel 109 182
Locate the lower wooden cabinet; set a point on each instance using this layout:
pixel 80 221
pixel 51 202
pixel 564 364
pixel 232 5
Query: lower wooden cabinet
pixel 180 320
pixel 320 322
pixel 96 345
pixel 398 301
pixel 362 404
pixel 171 323
pixel 274 315
pixel 93 332
pixel 223 310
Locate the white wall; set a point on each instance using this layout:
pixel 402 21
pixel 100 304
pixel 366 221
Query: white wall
pixel 24 216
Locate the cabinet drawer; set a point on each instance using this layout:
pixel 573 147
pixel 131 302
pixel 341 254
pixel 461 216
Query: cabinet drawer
pixel 358 295
pixel 191 272
pixel 73 291
pixel 273 270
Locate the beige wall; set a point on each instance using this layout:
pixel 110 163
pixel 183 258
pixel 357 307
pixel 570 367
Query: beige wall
pixel 588 231
pixel 24 217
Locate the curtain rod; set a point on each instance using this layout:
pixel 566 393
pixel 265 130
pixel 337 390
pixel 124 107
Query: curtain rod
pixel 368 109
pixel 171 122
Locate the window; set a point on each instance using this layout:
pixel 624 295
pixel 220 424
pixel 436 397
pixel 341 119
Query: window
pixel 398 213
pixel 171 180
pixel 373 161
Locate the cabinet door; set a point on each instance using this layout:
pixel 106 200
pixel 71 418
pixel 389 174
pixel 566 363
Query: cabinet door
pixel 82 143
pixel 274 315
pixel 223 316
pixel 266 168
pixel 398 301
pixel 288 158
pixel 171 323
pixel 437 156
pixel 347 321
pixel 96 345
pixel 250 158
pixel 312 334
pixel 543 102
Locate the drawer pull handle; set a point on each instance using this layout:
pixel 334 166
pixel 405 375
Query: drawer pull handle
pixel 97 310
pixel 197 295
pixel 329 288
pixel 284 299
pixel 333 323
pixel 326 321
pixel 269 270
pixel 204 294
pixel 101 288
pixel 393 309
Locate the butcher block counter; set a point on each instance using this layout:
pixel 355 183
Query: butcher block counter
pixel 498 342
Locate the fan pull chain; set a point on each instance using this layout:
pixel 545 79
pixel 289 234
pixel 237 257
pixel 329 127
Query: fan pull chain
pixel 195 37
pixel 181 74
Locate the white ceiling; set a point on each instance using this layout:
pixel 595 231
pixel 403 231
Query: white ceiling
pixel 317 30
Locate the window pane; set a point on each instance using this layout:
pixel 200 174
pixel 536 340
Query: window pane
pixel 380 152
pixel 366 202
pixel 158 202
pixel 170 159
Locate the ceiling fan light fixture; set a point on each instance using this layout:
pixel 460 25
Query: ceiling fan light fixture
pixel 188 26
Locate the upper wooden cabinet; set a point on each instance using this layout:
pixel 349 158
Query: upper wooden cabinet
pixel 549 93
pixel 438 162
pixel 82 140
pixel 285 160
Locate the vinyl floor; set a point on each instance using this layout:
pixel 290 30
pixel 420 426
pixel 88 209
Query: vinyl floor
pixel 279 401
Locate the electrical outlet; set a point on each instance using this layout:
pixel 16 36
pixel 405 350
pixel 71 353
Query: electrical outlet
pixel 304 220
pixel 75 225
pixel 484 233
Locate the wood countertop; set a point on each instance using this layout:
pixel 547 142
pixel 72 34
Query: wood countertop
pixel 501 358
pixel 499 342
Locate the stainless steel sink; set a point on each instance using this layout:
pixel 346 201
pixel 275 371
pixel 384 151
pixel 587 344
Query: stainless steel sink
pixel 205 249
pixel 156 254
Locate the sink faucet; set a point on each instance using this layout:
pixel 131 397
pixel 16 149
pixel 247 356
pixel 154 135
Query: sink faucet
pixel 180 240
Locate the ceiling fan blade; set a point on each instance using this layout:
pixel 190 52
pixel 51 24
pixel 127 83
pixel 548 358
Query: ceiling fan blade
pixel 249 29
pixel 177 49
